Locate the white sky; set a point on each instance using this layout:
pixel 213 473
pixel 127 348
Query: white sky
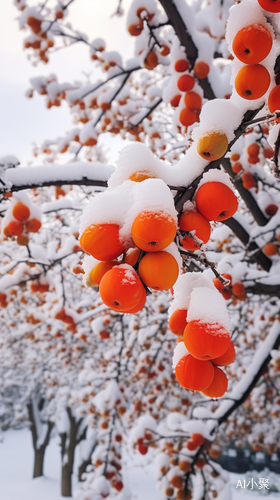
pixel 24 121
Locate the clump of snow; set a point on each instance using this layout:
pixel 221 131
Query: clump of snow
pixel 208 306
pixel 179 352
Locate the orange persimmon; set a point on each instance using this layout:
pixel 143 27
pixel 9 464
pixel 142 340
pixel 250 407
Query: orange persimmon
pixel 270 5
pixel 227 358
pixel 201 70
pixel 193 101
pixel 175 101
pixel 178 321
pixel 252 81
pixel 181 65
pixel 252 43
pixel 194 374
pixel 248 180
pixel 216 201
pixel 188 117
pixel 270 249
pixel 212 146
pixel 21 212
pixel 158 270
pixel 132 256
pixel 206 341
pixel 194 221
pixel 14 228
pixel 97 273
pixel 102 241
pixel 153 231
pixel 32 225
pixel 185 83
pixel 121 288
pixel 218 386
pixel 273 101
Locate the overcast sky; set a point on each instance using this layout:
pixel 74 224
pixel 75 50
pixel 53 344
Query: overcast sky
pixel 24 121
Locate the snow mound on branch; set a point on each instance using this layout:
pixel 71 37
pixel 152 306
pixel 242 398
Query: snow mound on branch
pixel 184 287
pixel 208 306
pixel 219 115
pixel 216 175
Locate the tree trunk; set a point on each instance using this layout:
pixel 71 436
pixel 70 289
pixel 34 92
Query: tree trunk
pixel 39 462
pixel 68 444
pixel 39 452
pixel 66 481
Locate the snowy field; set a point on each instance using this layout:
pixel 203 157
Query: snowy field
pixel 16 462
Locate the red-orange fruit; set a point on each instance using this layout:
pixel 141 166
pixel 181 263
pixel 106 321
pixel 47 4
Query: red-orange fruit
pixel 252 43
pixel 218 284
pixel 201 70
pixel 153 231
pixel 34 24
pixel 21 212
pixel 139 306
pixel 237 167
pixel 132 256
pixel 226 294
pixel 188 117
pixel 193 101
pixel 270 249
pixel 151 61
pixel 212 146
pixel 104 334
pixel 191 445
pixel 185 465
pixel 268 152
pixel 158 270
pixel 177 481
pixel 206 341
pixel 175 101
pixel 194 221
pixel 22 240
pixel 270 5
pixel 97 273
pixel 273 101
pixel 14 228
pixel 181 65
pixel 271 209
pixel 248 180
pixel 238 289
pixel 178 321
pixel 252 81
pixel 185 83
pixel 121 289
pixel 198 439
pixel 136 29
pixel 227 358
pixel 235 157
pixel 165 50
pixel 218 386
pixel 253 160
pixel 102 241
pixel 194 374
pixel 216 201
pixel 253 149
pixel 91 141
pixel 183 494
pixel 32 225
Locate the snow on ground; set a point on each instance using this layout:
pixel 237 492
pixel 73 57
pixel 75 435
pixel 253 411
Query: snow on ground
pixel 16 483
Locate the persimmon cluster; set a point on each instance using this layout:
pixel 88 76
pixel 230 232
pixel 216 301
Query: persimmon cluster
pixel 19 220
pixel 204 341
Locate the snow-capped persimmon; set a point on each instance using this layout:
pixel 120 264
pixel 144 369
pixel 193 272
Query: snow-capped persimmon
pixel 271 209
pixel 181 65
pixel 158 270
pixel 32 225
pixel 121 288
pixel 206 341
pixel 185 83
pixel 136 29
pixel 270 249
pixel 216 201
pixel 194 374
pixel 248 180
pixel 14 228
pixel 212 146
pixel 193 221
pixel 175 101
pixel 252 81
pixel 102 241
pixel 270 5
pixel 153 231
pixel 227 358
pixel 273 101
pixel 21 212
pixel 188 117
pixel 34 24
pixel 201 70
pixel 178 321
pixel 218 386
pixel 252 43
pixel 193 101
pixel 97 273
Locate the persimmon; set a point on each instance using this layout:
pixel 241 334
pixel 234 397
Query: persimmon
pixel 201 70
pixel 194 374
pixel 271 209
pixel 185 83
pixel 194 221
pixel 253 149
pixel 158 270
pixel 102 241
pixel 169 492
pixel 191 445
pixel 141 175
pixel 132 256
pixel 238 289
pixel 91 141
pixel 23 240
pixel 235 157
pixel 175 101
pixel 182 494
pixel 198 439
pixel 121 288
pixel 34 24
pixel 218 284
pixel 178 321
pixel 14 228
pixel 21 212
pixel 193 101
pixel 148 15
pixel 270 5
pixel 165 50
pixel 206 341
pixel 273 101
pixel 248 180
pixel 212 146
pixel 270 249
pixel 268 152
pixel 181 65
pixel 177 481
pixel 136 29
pixel 143 449
pixel 185 465
pixel 104 334
pixel 226 294
pixel 252 81
pixel 253 160
pixel 218 386
pixel 153 231
pixel 216 201
pixel 151 61
pixel 188 117
pixel 227 358
pixel 139 306
pixel 237 167
pixel 252 43
pixel 201 460
pixel 32 225
pixel 97 273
